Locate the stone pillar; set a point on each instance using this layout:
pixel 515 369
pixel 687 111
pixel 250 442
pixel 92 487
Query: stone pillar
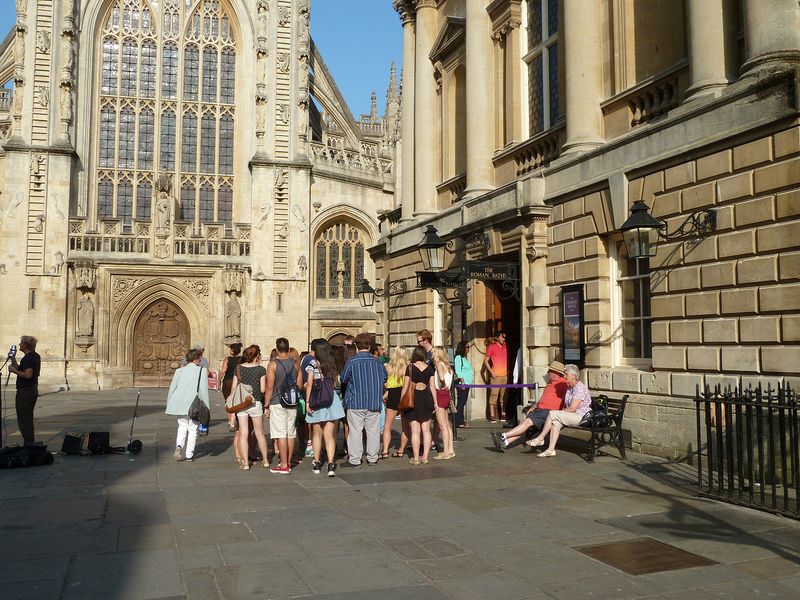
pixel 480 134
pixel 584 74
pixel 407 108
pixel 426 111
pixel 771 34
pixel 712 47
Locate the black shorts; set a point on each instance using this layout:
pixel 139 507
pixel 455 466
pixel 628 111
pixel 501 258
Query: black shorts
pixel 393 398
pixel 538 416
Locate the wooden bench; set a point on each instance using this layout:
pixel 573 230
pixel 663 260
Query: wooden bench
pixel 605 424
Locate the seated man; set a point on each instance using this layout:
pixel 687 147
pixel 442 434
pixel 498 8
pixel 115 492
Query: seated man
pixel 577 403
pixel 552 399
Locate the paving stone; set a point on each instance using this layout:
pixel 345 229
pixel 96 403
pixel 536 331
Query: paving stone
pixel 596 588
pixel 196 557
pixel 417 592
pixel 42 589
pixel 129 575
pixel 146 538
pixel 487 586
pixel 214 534
pixel 14 571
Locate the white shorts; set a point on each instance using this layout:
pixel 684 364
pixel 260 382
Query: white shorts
pixel 282 422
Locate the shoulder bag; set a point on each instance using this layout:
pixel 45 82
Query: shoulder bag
pixel 407 399
pixel 241 397
pixel 198 411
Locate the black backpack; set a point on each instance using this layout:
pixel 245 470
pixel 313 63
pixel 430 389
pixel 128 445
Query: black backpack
pixel 288 390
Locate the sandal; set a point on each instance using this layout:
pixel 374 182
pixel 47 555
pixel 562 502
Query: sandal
pixel 546 453
pixel 244 467
pixel 414 461
pixel 398 454
pixel 383 455
pixel 535 442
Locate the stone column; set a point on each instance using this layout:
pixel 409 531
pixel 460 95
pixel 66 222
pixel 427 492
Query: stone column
pixel 584 73
pixel 712 47
pixel 407 116
pixel 771 34
pixel 480 134
pixel 426 111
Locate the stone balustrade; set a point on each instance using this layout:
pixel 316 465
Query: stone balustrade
pixel 350 159
pixel 112 238
pixel 6 98
pixel 452 190
pixel 538 151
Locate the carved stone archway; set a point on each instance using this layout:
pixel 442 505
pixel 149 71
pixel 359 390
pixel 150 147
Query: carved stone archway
pixel 161 337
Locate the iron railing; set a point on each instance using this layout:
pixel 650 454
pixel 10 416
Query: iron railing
pixel 748 447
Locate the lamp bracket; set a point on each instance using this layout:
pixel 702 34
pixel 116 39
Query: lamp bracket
pixel 394 288
pixel 698 223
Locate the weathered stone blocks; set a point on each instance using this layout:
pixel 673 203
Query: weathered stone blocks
pixel 720 330
pixel 740 359
pixel 752 153
pixel 780 359
pixel 759 329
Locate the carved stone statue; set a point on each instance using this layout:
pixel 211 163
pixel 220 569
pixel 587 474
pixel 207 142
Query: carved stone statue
pixel 233 317
pixel 66 104
pixel 19 96
pixel 162 213
pixel 262 19
pixel 283 62
pixel 302 118
pixel 67 70
pixel 85 317
pixel 261 116
pixel 19 46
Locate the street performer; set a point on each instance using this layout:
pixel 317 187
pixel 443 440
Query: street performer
pixel 27 372
pixel 552 399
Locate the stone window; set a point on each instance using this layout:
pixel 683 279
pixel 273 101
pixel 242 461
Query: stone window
pixel 339 254
pixel 632 310
pixel 166 99
pixel 542 64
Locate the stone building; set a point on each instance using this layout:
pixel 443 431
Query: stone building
pixel 176 171
pixel 531 127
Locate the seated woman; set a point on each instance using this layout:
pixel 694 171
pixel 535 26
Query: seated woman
pixel 552 399
pixel 577 402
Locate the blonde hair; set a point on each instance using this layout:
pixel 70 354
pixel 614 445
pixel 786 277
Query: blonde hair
pixel 439 355
pixel 398 364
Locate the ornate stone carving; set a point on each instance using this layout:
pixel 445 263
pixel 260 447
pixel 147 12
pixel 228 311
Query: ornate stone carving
pixel 304 12
pixel 284 16
pixel 38 169
pixel 263 214
pixel 261 116
pixel 22 9
pixel 66 107
pixel 283 62
pixel 43 40
pixel 302 265
pixel 122 287
pixel 198 287
pixel 68 66
pixel 233 319
pixel 281 178
pixel 233 279
pixel 68 24
pixel 58 263
pixel 302 119
pixel 298 215
pixel 535 252
pixel 283 113
pixel 19 96
pixel 85 275
pixel 85 321
pixel 42 93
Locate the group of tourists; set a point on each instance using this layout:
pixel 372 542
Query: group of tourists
pixel 309 396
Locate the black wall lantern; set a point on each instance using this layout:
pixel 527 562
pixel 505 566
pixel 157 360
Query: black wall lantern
pixel 642 231
pixel 366 293
pixel 432 249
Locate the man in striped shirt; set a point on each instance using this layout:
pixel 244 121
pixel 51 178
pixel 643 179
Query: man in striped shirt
pixel 363 378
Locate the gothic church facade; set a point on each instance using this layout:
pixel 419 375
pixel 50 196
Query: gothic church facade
pixel 176 171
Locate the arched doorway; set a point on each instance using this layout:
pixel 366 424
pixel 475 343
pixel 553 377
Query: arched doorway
pixel 160 339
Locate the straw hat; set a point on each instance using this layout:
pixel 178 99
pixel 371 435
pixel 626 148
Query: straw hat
pixel 557 367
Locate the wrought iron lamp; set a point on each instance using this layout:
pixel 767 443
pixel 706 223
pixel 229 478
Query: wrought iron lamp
pixel 432 249
pixel 642 231
pixel 366 293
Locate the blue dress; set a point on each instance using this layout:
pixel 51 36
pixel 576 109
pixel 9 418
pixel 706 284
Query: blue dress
pixel 322 415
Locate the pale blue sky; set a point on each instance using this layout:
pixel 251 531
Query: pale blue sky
pixel 359 40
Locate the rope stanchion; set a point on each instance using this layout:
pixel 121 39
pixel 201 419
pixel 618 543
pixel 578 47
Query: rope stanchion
pixel 470 386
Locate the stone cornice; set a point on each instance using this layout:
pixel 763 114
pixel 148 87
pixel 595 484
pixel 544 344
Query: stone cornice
pixel 506 15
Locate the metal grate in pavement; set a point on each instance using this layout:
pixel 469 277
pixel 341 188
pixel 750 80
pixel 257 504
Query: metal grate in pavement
pixel 641 556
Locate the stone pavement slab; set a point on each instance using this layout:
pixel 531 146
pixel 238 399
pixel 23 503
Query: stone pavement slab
pixel 483 525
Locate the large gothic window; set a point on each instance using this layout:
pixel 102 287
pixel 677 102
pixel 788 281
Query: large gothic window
pixel 166 105
pixel 542 61
pixel 339 256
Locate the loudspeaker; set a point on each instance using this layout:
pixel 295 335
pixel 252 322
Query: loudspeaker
pixel 34 455
pixel 73 443
pixel 99 442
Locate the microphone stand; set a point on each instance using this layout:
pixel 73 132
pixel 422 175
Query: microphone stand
pixel 8 377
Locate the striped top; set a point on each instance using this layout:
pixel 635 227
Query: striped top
pixel 363 378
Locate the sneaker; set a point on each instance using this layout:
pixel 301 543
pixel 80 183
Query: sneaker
pixel 331 469
pixel 177 454
pixel 497 441
pixel 309 450
pixel 281 470
pixel 316 466
pixel 352 465
pixel 503 441
pixel 188 460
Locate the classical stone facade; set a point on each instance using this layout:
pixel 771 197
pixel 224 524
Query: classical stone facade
pixel 176 171
pixel 583 108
